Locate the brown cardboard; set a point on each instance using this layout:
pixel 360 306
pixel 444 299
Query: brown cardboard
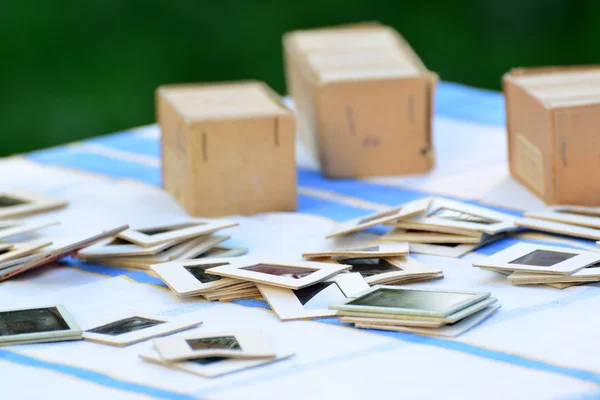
pixel 363 100
pixel 552 117
pixel 227 148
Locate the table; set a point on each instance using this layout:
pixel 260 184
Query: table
pixel 541 344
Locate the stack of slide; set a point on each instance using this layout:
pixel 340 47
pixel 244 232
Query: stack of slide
pixel 379 263
pixel 188 278
pixel 227 279
pixel 449 228
pixel 436 312
pixel 294 289
pixel 37 258
pixel 13 254
pixel 577 221
pixel 534 264
pixel 20 203
pixel 140 248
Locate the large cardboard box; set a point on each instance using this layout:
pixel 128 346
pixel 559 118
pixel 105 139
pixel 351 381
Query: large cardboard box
pixel 227 148
pixel 553 121
pixel 363 100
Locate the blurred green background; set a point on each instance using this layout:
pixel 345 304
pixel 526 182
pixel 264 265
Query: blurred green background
pixel 74 69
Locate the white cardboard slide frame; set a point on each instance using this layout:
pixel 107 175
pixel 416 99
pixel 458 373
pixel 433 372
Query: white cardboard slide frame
pixel 573 215
pixel 314 271
pixel 179 275
pixel 505 260
pixel 560 228
pixel 366 221
pixel 288 306
pixel 470 298
pixel 407 267
pixel 71 330
pixel 177 231
pixel 497 222
pixel 445 331
pixel 165 326
pixel 411 236
pixel 213 368
pixel 369 250
pixel 246 344
pixel 27 202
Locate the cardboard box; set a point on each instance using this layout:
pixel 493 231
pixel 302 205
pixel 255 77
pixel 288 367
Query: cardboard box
pixel 227 148
pixel 363 100
pixel 553 121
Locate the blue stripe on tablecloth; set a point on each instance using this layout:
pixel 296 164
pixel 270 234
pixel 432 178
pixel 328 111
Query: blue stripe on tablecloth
pixel 584 242
pixel 457 101
pixel 297 368
pixel 91 376
pixel 128 141
pixel 520 312
pixel 118 168
pixel 254 303
pixel 388 195
pixel 98 164
pixel 495 355
pixel 329 209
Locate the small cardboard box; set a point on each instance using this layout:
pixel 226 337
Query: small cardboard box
pixel 363 99
pixel 553 122
pixel 227 148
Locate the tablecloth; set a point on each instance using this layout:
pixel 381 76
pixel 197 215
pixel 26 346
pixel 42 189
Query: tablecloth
pixel 541 344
